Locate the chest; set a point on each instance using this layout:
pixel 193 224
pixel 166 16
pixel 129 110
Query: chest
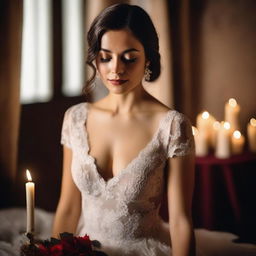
pixel 115 142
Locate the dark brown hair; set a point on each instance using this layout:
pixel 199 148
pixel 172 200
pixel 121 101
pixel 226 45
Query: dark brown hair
pixel 121 16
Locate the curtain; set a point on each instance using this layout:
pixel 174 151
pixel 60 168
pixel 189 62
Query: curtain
pixel 10 49
pixel 180 18
pixel 158 10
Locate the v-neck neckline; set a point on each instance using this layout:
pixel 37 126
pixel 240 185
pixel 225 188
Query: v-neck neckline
pixel 123 170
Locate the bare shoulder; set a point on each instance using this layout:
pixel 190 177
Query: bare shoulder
pixel 155 106
pixel 101 106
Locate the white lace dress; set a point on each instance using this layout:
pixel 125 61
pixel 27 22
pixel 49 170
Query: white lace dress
pixel 123 212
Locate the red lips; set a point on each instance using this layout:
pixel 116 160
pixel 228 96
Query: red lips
pixel 117 81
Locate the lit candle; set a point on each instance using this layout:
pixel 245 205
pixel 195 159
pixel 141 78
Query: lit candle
pixel 201 145
pixel 223 141
pixel 251 133
pixel 237 142
pixel 232 111
pixel 215 128
pixel 30 198
pixel 204 123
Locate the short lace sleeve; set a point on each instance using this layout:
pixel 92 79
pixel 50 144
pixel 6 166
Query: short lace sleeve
pixel 66 127
pixel 181 140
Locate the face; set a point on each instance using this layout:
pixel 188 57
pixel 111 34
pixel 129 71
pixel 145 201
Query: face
pixel 121 61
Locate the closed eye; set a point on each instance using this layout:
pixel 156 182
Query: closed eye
pixel 105 59
pixel 125 60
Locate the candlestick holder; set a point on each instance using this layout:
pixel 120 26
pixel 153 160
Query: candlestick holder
pixel 31 237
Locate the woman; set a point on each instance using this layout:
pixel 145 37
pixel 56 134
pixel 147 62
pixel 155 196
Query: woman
pixel 115 150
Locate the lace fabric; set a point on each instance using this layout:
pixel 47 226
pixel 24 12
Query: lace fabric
pixel 123 212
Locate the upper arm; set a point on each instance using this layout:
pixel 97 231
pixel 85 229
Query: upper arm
pixel 181 167
pixel 180 186
pixel 70 197
pixel 70 194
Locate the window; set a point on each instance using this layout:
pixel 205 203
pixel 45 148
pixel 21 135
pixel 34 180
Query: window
pixel 36 62
pixel 37 50
pixel 73 47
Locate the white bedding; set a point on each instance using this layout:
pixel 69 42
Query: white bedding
pixel 13 226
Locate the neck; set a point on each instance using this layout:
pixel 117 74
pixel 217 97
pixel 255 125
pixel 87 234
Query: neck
pixel 127 103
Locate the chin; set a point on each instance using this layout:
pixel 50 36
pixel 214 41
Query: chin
pixel 118 91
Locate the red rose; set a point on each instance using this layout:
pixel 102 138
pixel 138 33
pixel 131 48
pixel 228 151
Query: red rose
pixel 68 245
pixel 56 250
pixel 44 251
pixel 83 243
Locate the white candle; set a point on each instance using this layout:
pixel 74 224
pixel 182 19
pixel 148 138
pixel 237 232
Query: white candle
pixel 215 128
pixel 201 144
pixel 251 133
pixel 204 123
pixel 232 112
pixel 223 141
pixel 237 142
pixel 30 199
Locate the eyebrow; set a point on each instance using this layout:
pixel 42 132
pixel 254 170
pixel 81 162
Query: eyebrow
pixel 126 51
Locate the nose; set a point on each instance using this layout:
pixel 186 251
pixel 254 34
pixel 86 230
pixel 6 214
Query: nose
pixel 117 66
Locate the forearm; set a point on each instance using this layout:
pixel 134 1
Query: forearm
pixel 65 221
pixel 182 237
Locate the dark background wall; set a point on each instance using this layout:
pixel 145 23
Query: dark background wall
pixel 223 56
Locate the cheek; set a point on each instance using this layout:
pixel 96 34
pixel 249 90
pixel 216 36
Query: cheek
pixel 138 70
pixel 102 70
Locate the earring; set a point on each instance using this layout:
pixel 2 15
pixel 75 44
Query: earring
pixel 147 74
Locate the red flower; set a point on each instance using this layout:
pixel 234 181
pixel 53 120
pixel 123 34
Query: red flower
pixel 44 251
pixel 56 250
pixel 68 245
pixel 83 243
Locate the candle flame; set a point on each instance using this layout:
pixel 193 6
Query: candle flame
pixel 28 175
pixel 205 115
pixel 194 130
pixel 253 122
pixel 226 125
pixel 237 134
pixel 232 102
pixel 216 125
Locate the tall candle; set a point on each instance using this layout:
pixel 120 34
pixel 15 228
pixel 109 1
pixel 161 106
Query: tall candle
pixel 251 133
pixel 204 123
pixel 215 128
pixel 201 144
pixel 237 142
pixel 232 112
pixel 30 199
pixel 223 141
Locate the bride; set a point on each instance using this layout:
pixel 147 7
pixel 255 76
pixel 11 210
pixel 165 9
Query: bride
pixel 116 150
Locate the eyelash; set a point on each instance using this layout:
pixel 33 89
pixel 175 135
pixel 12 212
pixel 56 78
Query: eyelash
pixel 104 60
